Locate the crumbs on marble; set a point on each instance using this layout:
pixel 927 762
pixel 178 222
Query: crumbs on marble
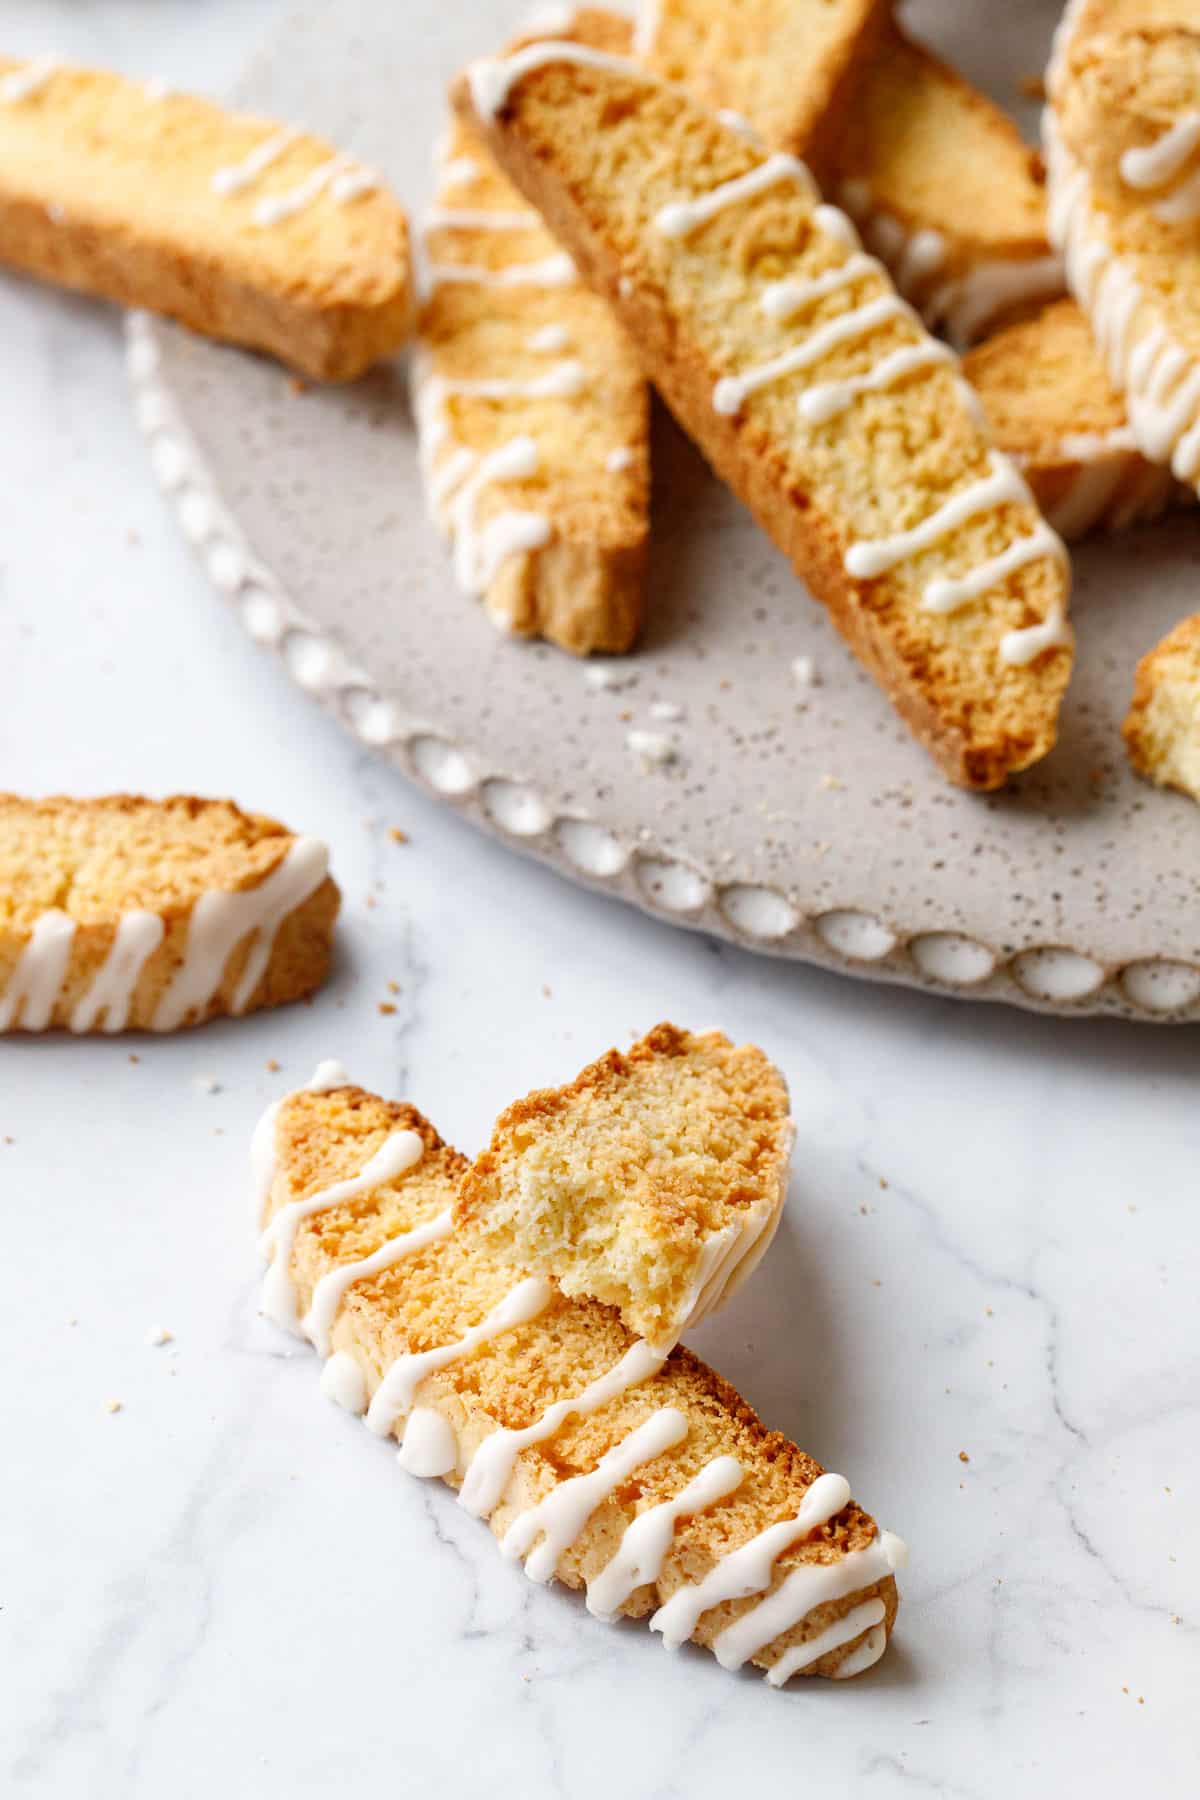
pixel 387 1008
pixel 158 1335
pixel 393 987
pixel 963 1457
pixel 397 836
pixel 114 1406
pixel 272 1066
pixel 134 1058
pixel 207 1084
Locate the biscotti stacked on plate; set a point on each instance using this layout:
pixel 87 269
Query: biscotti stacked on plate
pixel 610 1463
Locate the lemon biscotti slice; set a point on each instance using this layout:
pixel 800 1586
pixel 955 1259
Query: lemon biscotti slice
pixel 1162 731
pixel 1054 411
pixel 811 387
pixel 238 228
pixel 654 1181
pixel 790 67
pixel 533 415
pixel 645 1480
pixel 124 913
pixel 1129 223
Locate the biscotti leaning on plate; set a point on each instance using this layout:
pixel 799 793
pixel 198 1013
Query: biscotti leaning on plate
pixel 239 228
pixel 811 387
pixel 654 1181
pixel 533 416
pixel 1122 137
pixel 1162 730
pixel 124 913
pixel 647 1481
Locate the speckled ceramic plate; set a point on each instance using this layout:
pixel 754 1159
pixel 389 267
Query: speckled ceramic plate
pixel 805 822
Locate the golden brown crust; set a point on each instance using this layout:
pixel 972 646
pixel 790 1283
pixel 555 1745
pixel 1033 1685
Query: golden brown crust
pixel 107 189
pixel 100 860
pixel 884 463
pixel 1162 728
pixel 432 1296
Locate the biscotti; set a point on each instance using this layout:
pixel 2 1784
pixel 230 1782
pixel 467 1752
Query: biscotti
pixel 533 416
pixel 1132 253
pixel 791 67
pixel 123 913
pixel 238 228
pixel 653 1182
pixel 1053 409
pixel 1162 730
pixel 646 1481
pixel 811 387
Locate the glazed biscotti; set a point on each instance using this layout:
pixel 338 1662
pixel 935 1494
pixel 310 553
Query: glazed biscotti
pixel 1053 409
pixel 653 1182
pixel 811 387
pixel 533 416
pixel 647 1481
pixel 1132 245
pixel 1162 730
pixel 122 913
pixel 239 228
pixel 791 67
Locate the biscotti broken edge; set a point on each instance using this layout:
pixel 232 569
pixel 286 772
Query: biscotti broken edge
pixel 1162 729
pixel 654 1181
pixel 553 1422
pixel 124 913
pixel 240 229
pixel 698 246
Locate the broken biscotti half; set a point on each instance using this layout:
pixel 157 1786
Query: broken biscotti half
pixel 1162 730
pixel 645 1480
pixel 1053 409
pixel 790 67
pixel 533 416
pixel 123 914
pixel 238 228
pixel 653 1182
pixel 810 385
pixel 1132 246
pixel 933 173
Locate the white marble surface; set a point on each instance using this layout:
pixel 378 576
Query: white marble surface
pixel 227 1586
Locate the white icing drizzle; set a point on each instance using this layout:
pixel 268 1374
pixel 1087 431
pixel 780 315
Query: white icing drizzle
pixel 135 940
pixel 560 1517
pixel 732 391
pixel 264 1163
pixel 563 382
pixel 640 1555
pixel 480 551
pixel 221 921
pixel 680 218
pixel 824 400
pixel 23 84
pixel 430 1447
pixel 550 272
pixel 782 300
pixel 332 1288
pixel 37 979
pixel 460 171
pixel 235 177
pixel 1019 648
pixel 275 208
pixel 748 1569
pixel 865 1657
pixel 808 1586
pixel 343 1382
pixel 470 218
pixel 947 593
pixel 549 340
pixel 399 1152
pixel 1153 166
pixel 492 1465
pixel 394 1396
pixel 1001 486
pixel 493 80
pixel 802 1656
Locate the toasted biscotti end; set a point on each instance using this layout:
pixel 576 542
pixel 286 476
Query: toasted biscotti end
pixel 811 388
pixel 1127 109
pixel 644 1479
pixel 653 1182
pixel 516 353
pixel 1054 410
pixel 1162 729
pixel 238 228
pixel 124 913
pixel 791 67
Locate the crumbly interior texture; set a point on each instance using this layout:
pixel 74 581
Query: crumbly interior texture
pixel 599 152
pixel 1124 90
pixel 792 67
pixel 97 860
pixel 940 156
pixel 584 589
pixel 432 1297
pixel 106 187
pixel 1162 730
pixel 617 1183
